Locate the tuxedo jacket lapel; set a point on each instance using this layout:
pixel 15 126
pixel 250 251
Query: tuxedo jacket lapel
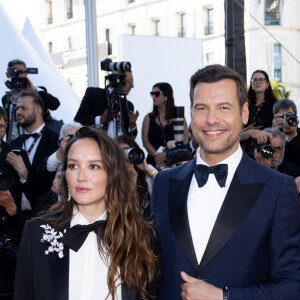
pixel 238 202
pixel 177 205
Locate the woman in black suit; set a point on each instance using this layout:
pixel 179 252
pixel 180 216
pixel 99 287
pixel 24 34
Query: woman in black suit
pixel 94 243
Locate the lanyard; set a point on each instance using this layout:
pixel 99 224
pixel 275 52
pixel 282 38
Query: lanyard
pixel 35 140
pixel 257 109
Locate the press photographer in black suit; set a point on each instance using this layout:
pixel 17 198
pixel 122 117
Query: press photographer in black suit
pixel 94 106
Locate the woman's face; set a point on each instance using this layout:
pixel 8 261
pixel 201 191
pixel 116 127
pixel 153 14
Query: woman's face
pixel 259 82
pixel 159 99
pixel 86 176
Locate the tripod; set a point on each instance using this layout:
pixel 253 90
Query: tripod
pixel 12 131
pixel 116 110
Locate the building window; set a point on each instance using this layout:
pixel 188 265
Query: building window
pixel 70 43
pixel 209 58
pixel 50 47
pixel 132 29
pixel 49 12
pixel 272 12
pixel 69 9
pixel 156 27
pixel 209 25
pixel 182 25
pixel 131 1
pixel 107 38
pixel 277 61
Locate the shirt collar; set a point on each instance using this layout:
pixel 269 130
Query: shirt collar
pixel 38 130
pixel 79 219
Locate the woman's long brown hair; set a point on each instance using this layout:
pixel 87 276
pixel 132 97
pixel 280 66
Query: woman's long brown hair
pixel 126 244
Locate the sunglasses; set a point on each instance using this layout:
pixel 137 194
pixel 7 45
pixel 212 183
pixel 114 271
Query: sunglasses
pixel 156 94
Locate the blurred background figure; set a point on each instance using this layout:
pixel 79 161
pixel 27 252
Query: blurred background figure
pixel 157 128
pixel 261 99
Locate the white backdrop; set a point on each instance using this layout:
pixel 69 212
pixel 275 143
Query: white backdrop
pixel 15 45
pixel 160 59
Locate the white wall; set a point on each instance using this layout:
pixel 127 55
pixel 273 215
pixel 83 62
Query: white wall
pixel 160 59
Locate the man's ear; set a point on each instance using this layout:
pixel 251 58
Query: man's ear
pixel 245 113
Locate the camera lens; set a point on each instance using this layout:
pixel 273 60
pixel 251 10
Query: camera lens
pixel 134 155
pixel 267 151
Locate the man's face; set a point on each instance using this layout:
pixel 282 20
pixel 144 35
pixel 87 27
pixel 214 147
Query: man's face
pixel 25 112
pixel 286 128
pixel 217 120
pixel 129 83
pixel 3 126
pixel 18 66
pixel 277 158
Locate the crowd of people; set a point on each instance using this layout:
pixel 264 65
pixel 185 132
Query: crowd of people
pixel 81 219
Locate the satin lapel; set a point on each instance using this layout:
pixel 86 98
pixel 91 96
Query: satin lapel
pixel 128 294
pixel 60 274
pixel 177 203
pixel 239 200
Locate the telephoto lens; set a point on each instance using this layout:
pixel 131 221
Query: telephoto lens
pixel 178 124
pixel 134 155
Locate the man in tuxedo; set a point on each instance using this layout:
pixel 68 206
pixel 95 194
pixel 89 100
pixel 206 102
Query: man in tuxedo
pixel 94 108
pixel 38 141
pixel 228 227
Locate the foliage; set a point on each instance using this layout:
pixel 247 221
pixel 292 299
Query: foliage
pixel 280 90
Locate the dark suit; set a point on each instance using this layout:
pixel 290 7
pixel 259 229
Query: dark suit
pixel 94 103
pixel 40 276
pixel 39 185
pixel 254 247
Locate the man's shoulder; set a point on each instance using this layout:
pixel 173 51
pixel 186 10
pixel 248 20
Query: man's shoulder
pixel 95 90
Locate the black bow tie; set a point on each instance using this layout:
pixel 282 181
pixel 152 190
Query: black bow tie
pixel 202 172
pixel 75 236
pixel 27 136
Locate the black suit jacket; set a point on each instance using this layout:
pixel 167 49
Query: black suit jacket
pixel 41 276
pixel 94 103
pixel 38 186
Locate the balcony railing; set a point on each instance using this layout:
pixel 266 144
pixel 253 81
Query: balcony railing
pixel 69 14
pixel 49 19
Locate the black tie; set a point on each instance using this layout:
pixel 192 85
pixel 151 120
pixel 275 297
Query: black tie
pixel 202 172
pixel 27 136
pixel 75 236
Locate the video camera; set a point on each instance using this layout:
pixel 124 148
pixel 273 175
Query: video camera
pixel 291 119
pixel 16 82
pixel 117 78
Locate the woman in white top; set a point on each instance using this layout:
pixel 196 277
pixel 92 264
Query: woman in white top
pixel 93 244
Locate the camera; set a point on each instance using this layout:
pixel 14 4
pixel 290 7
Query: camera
pixel 291 119
pixel 266 150
pixel 134 155
pixel 16 82
pixel 178 124
pixel 122 66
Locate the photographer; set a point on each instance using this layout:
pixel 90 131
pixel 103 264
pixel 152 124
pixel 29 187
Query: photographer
pixel 19 81
pixel 94 107
pixel 277 159
pixel 285 118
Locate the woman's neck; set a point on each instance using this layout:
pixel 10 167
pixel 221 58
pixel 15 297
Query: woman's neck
pixel 161 111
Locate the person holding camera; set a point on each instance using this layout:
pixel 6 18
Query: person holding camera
pixel 94 108
pixel 157 128
pixel 285 118
pixel 19 81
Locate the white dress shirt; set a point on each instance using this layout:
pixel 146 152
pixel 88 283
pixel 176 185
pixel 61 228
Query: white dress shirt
pixel 204 204
pixel 25 204
pixel 87 270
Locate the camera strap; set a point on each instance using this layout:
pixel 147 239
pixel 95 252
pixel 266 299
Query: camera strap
pixel 162 128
